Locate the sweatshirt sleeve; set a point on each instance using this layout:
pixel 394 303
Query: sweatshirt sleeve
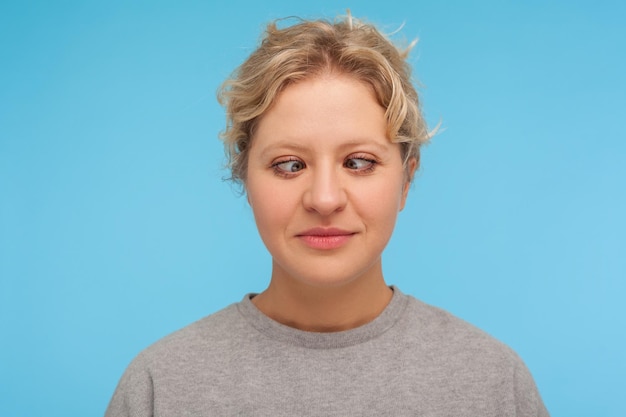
pixel 133 396
pixel 528 400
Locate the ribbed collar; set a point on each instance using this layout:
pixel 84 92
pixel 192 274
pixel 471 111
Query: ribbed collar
pixel 332 340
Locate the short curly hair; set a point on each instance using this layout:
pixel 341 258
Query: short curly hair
pixel 309 48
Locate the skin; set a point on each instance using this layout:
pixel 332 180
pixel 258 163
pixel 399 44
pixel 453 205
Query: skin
pixel 320 158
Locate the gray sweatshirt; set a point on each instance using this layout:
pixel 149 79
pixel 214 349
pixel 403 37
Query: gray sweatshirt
pixel 412 360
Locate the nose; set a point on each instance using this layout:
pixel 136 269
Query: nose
pixel 325 193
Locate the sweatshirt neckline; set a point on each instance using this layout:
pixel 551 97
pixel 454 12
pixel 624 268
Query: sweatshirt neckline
pixel 319 340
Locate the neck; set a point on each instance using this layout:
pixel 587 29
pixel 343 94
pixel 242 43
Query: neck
pixel 324 308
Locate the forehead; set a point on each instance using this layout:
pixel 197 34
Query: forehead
pixel 331 109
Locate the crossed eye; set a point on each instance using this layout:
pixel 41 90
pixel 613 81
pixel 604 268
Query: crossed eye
pixel 290 166
pixel 358 163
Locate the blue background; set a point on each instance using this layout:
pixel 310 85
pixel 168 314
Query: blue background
pixel 116 229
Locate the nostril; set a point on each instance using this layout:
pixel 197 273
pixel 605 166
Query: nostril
pixel 325 201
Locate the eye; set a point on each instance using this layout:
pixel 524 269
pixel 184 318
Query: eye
pixel 288 166
pixel 360 164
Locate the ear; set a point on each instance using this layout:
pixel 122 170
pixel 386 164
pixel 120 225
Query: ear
pixel 411 167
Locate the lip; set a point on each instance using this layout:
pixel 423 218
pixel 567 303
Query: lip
pixel 325 238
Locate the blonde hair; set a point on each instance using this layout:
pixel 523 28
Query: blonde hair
pixel 310 48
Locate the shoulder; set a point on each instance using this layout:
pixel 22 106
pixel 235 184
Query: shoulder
pixel 177 352
pixel 446 344
pixel 177 358
pixel 433 325
pixel 468 358
pixel 205 335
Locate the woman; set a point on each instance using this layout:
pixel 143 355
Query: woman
pixel 323 133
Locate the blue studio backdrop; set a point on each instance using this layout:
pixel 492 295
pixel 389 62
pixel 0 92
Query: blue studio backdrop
pixel 116 227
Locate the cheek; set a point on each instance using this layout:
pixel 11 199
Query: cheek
pixel 385 210
pixel 270 207
pixel 388 190
pixel 380 204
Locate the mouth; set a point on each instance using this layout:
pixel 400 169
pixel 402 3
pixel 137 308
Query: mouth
pixel 325 238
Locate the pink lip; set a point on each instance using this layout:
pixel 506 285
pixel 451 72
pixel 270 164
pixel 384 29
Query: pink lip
pixel 325 238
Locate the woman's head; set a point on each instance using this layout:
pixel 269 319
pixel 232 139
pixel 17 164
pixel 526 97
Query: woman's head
pixel 313 48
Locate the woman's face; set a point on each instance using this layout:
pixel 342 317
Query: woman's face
pixel 324 182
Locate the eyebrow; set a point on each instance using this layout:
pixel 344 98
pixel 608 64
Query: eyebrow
pixel 282 145
pixel 365 142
